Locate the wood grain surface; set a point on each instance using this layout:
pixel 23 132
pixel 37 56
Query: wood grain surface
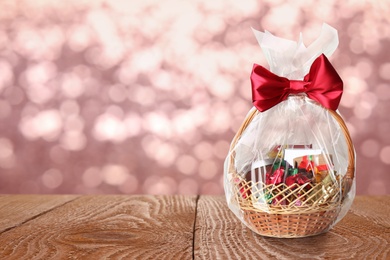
pixel 363 234
pixel 17 209
pixel 173 227
pixel 107 227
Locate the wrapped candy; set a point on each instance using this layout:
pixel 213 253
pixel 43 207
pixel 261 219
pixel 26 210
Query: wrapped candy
pixel 276 177
pixel 296 171
pixel 298 179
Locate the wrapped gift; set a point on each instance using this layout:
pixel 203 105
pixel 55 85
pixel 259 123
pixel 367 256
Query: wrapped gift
pixel 290 169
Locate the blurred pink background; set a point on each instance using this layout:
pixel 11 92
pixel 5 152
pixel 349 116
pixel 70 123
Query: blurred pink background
pixel 145 96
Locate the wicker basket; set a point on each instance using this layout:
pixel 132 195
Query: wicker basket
pixel 315 215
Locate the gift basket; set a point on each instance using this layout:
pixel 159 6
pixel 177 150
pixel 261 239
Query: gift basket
pixel 290 169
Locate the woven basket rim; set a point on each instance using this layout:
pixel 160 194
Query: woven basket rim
pixel 311 204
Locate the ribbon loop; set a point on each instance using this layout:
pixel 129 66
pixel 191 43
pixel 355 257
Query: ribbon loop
pixel 321 84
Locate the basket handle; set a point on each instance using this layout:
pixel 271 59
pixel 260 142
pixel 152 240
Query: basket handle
pixel 350 174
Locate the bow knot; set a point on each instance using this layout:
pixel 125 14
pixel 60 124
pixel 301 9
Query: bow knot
pixel 298 86
pixel 321 84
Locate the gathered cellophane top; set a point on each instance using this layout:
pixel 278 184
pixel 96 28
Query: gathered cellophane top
pixel 290 169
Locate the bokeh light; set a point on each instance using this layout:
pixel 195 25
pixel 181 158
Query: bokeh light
pixel 145 96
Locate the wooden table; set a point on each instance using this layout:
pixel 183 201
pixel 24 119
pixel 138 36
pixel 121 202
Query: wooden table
pixel 173 227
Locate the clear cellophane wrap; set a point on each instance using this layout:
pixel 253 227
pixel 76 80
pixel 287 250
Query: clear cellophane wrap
pixel 290 169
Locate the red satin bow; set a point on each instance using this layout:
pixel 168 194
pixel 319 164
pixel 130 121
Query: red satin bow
pixel 322 84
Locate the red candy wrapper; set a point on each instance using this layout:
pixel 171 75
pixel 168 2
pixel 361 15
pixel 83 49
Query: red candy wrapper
pixel 276 177
pixel 298 179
